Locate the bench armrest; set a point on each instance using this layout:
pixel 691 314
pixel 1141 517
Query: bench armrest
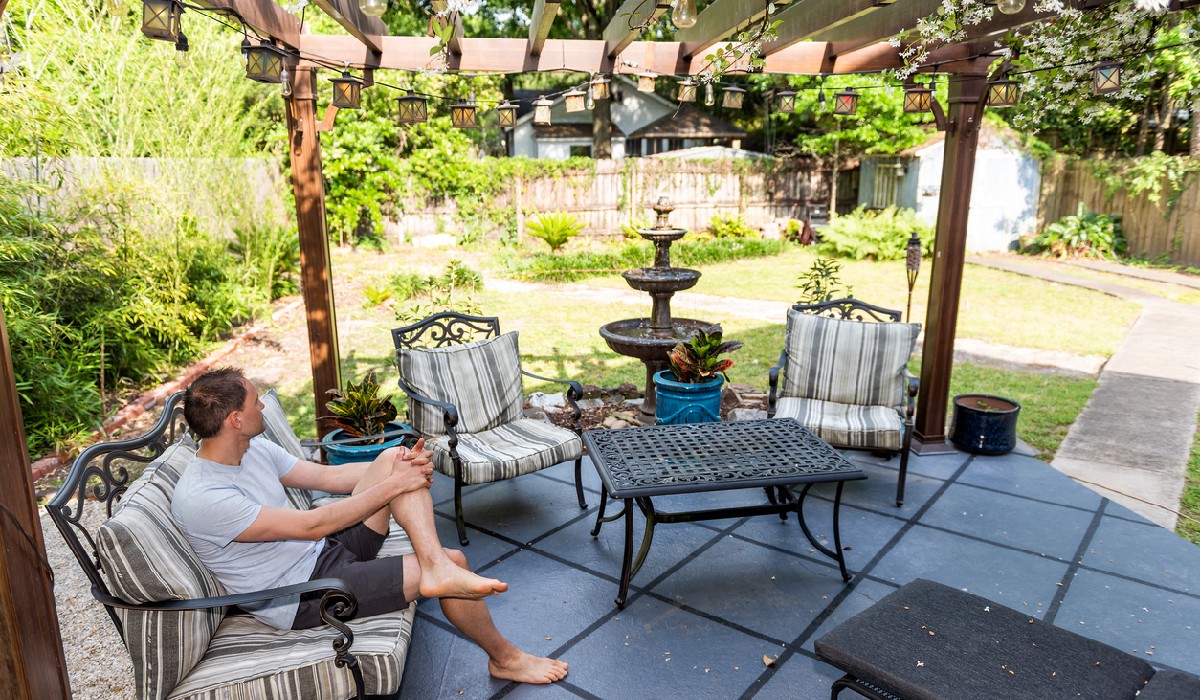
pixel 574 393
pixel 773 380
pixel 331 586
pixel 449 410
pixel 910 394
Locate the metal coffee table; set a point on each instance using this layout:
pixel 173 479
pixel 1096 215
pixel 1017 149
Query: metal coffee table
pixel 636 464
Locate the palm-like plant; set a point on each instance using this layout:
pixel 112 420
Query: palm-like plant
pixel 555 228
pixel 359 410
pixel 696 360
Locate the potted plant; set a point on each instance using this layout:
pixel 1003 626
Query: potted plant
pixel 364 421
pixel 690 391
pixel 985 424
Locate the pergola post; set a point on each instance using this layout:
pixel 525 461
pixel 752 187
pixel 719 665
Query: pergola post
pixel 316 277
pixel 941 316
pixel 31 657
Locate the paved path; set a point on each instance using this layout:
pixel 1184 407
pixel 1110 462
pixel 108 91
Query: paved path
pixel 1132 440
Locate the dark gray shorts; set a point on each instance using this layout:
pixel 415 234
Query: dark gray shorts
pixel 377 584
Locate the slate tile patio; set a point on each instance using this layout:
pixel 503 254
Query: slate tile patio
pixel 714 598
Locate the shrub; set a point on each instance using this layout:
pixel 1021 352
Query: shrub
pixel 451 290
pixel 873 235
pixel 555 228
pixel 1084 235
pixel 822 283
pixel 571 267
pixel 730 226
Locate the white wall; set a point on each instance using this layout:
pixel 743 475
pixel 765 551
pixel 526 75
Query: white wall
pixel 560 149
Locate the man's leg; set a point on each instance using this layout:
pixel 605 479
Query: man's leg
pixel 472 618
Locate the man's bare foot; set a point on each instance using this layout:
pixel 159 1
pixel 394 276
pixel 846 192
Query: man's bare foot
pixel 527 668
pixel 450 581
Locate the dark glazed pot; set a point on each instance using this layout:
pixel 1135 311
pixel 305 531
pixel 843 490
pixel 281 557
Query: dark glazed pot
pixel 985 424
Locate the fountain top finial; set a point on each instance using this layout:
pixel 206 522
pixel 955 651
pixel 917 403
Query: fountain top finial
pixel 663 209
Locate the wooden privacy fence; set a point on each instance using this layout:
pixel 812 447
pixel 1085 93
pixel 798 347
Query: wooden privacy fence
pixel 1152 229
pixel 618 192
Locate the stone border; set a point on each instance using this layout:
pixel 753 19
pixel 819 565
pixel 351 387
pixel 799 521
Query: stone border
pixel 152 398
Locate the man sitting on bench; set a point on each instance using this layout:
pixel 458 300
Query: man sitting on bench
pixel 231 505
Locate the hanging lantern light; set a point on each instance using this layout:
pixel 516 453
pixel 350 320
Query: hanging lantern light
pixel 413 109
pixel 1002 93
pixel 507 114
pixel 646 82
pixel 917 99
pixel 787 101
pixel 845 103
pixel 160 19
pixel 264 63
pixel 347 92
pixel 463 115
pixel 541 111
pixel 575 100
pixel 687 91
pixel 733 97
pixel 1106 77
pixel 601 87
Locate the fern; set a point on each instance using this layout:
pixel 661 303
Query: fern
pixel 881 235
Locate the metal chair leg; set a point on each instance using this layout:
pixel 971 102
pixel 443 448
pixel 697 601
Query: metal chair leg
pixel 579 482
pixel 459 522
pixel 905 448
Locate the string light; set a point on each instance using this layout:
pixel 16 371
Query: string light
pixel 1002 93
pixel 264 63
pixel 845 103
pixel 709 98
pixel 285 82
pixel 687 91
pixel 464 114
pixel 787 101
pixel 1106 77
pixel 646 82
pixel 412 109
pixel 541 111
pixel 601 87
pixel 347 92
pixel 733 97
pixel 575 100
pixel 373 8
pixel 506 115
pixel 161 19
pixel 684 14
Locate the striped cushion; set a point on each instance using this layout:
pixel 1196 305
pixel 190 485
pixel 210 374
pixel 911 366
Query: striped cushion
pixel 850 362
pixel 248 660
pixel 520 447
pixel 279 431
pixel 482 379
pixel 145 559
pixel 843 425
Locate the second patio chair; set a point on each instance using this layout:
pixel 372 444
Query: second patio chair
pixel 845 377
pixel 463 381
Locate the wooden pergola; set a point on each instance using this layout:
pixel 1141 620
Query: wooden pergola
pixel 814 37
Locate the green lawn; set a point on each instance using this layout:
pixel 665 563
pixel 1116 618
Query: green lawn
pixel 1189 506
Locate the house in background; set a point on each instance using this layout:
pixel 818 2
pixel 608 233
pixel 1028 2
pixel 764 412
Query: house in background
pixel 1004 197
pixel 644 123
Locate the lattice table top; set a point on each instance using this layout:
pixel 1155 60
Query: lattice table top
pixel 664 459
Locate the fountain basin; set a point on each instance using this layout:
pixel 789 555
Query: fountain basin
pixel 635 337
pixel 657 280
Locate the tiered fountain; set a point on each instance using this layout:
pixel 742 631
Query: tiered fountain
pixel 650 339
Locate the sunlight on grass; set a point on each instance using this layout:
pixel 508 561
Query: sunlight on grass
pixel 1189 505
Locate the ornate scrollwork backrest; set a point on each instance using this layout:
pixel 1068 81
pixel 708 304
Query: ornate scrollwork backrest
pixel 98 479
pixel 850 310
pixel 445 329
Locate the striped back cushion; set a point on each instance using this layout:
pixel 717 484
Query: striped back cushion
pixel 482 378
pixel 279 431
pixel 851 362
pixel 145 559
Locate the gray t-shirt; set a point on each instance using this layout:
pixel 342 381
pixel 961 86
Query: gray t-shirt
pixel 214 503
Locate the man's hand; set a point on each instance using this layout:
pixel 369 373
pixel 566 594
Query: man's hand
pixel 414 462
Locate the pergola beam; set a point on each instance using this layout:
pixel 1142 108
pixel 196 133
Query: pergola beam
pixel 455 45
pixel 627 23
pixel 265 18
pixel 718 21
pixel 544 12
pixel 363 27
pixel 805 18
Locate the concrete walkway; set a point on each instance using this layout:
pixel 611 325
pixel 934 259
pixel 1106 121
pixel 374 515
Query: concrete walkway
pixel 1132 440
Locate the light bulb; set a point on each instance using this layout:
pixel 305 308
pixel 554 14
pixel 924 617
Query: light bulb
pixel 709 99
pixel 181 51
pixel 591 98
pixel 374 8
pixel 684 14
pixel 286 85
pixel 1010 7
pixel 114 6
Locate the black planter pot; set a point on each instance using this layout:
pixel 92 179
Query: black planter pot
pixel 985 424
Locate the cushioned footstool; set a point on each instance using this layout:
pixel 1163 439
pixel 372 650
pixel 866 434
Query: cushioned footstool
pixel 927 641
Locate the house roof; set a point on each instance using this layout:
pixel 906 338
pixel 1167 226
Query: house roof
pixel 689 122
pixel 711 153
pixel 567 131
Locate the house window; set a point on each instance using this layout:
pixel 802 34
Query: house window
pixel 887 182
pixel 584 151
pixel 633 147
pixel 675 145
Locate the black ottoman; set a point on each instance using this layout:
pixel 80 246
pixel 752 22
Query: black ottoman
pixel 927 641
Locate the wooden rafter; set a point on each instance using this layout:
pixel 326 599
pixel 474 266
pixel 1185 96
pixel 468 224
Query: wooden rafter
pixel 719 20
pixel 455 45
pixel 544 12
pixel 365 28
pixel 626 25
pixel 3 4
pixel 265 18
pixel 805 18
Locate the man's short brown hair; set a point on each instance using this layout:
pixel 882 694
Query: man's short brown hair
pixel 211 398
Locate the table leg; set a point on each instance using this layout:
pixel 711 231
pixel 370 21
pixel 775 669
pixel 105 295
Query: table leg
pixel 837 533
pixel 836 556
pixel 626 559
pixel 600 519
pixel 647 507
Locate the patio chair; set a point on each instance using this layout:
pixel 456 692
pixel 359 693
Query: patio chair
pixel 927 641
pixel 463 381
pixel 844 376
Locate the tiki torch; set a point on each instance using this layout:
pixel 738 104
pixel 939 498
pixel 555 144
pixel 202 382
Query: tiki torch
pixel 912 264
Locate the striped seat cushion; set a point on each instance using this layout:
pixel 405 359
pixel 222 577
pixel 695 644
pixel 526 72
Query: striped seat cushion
pixel 482 379
pixel 848 362
pixel 844 425
pixel 146 559
pixel 520 447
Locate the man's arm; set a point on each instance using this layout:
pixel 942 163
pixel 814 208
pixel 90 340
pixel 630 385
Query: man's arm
pixel 341 479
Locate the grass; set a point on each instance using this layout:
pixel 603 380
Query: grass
pixel 1189 503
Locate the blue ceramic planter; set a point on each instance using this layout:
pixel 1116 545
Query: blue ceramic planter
pixel 680 403
pixel 353 452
